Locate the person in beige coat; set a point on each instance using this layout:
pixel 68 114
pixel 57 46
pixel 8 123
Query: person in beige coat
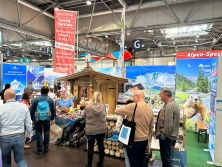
pixel 144 128
pixel 95 114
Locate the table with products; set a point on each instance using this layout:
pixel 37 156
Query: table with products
pixel 73 128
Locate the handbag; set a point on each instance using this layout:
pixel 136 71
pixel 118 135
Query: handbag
pixel 179 158
pixel 127 132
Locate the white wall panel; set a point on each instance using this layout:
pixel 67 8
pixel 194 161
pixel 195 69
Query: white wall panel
pixel 217 5
pixel 8 10
pixel 205 9
pixel 42 23
pixel 98 64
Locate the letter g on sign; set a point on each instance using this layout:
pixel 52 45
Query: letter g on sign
pixel 137 44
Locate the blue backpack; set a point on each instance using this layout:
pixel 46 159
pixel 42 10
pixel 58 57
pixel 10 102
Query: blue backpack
pixel 42 111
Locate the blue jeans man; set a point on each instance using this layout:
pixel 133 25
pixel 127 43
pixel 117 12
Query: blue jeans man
pixel 42 146
pixel 15 144
pixel 136 154
pixel 165 150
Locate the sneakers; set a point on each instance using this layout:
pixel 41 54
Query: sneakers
pixel 26 146
pixel 99 164
pixel 39 152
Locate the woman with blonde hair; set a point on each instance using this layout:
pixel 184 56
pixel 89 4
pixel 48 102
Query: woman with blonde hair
pixel 95 114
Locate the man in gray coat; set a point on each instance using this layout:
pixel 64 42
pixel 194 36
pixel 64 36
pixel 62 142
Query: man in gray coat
pixel 167 127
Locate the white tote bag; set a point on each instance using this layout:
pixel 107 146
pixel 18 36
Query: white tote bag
pixel 124 134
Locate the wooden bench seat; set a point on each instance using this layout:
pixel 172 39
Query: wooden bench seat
pixel 202 129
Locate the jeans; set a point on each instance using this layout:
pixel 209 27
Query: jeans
pixel 91 142
pixel 126 157
pixel 136 154
pixel 42 145
pixel 15 144
pixel 165 150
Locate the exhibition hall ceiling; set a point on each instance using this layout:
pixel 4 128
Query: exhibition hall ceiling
pixel 181 35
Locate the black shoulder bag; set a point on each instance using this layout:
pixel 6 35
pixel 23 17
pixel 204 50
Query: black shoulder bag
pixel 126 135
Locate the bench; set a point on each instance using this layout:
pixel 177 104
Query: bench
pixel 202 129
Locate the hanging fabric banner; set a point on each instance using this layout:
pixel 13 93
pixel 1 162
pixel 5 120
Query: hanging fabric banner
pixel 122 38
pixel 65 30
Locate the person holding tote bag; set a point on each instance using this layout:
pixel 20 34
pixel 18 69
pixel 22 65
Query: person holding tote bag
pixel 144 127
pixel 95 128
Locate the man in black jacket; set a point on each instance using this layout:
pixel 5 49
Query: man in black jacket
pixel 42 146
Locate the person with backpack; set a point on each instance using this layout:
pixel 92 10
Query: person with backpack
pixel 7 86
pixel 42 113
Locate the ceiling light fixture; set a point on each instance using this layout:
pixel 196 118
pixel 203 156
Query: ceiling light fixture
pixel 197 36
pixel 128 33
pixel 88 2
pixel 196 40
pixel 106 36
pixel 148 49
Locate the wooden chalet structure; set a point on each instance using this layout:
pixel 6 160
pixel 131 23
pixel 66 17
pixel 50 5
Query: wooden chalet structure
pixel 87 81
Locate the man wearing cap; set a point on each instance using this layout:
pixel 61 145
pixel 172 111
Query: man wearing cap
pixel 167 127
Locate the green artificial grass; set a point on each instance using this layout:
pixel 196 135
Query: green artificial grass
pixel 196 156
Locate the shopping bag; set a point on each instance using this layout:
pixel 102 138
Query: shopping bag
pixel 55 133
pixel 179 158
pixel 127 131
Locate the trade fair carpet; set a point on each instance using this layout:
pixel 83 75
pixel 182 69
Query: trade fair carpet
pixel 196 156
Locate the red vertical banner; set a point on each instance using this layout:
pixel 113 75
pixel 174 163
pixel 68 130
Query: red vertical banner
pixel 65 30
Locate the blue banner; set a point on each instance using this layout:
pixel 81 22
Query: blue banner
pixel 35 74
pixel 16 76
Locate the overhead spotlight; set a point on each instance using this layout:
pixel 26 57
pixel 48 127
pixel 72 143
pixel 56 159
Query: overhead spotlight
pixel 196 40
pixel 106 36
pixel 142 45
pixel 175 47
pixel 88 2
pixel 125 47
pixel 176 50
pixel 132 50
pixel 172 38
pixel 128 33
pixel 195 46
pixel 148 49
pixel 197 36
pixel 151 52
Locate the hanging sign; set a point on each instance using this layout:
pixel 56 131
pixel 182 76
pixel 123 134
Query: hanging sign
pixel 24 60
pixel 137 44
pixel 65 30
pixel 199 54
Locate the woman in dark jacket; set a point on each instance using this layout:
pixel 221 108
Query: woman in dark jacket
pixel 95 128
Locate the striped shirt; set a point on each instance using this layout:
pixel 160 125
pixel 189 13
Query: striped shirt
pixel 14 118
